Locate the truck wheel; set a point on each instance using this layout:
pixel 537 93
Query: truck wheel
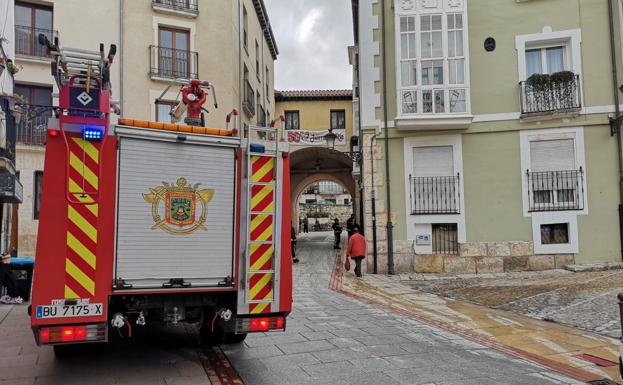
pixel 211 338
pixel 232 338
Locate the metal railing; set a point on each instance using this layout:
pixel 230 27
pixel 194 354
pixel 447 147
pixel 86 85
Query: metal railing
pixel 435 195
pixel 27 41
pixel 445 238
pixel 178 5
pixel 32 131
pixel 173 63
pixel 249 100
pixel 551 97
pixel 555 190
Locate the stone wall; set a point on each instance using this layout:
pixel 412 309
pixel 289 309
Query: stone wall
pixel 342 212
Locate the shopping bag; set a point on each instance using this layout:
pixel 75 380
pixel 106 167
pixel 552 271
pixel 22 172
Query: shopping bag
pixel 347 264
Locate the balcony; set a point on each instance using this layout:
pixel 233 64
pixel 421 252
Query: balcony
pixel 249 100
pixel 556 94
pixel 32 131
pixel 169 63
pixel 555 190
pixel 27 41
pixel 436 195
pixel 187 8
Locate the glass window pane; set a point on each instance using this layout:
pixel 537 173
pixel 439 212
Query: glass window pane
pixel 555 59
pixel 533 62
pixel 458 21
pixel 408 73
pixel 163 113
pixel 457 71
pixel 436 22
pixel 409 102
pixel 23 16
pixel 459 42
pixel 166 38
pixel 450 21
pixel 411 23
pixel 427 101
pixel 440 101
pixel 425 21
pixel 432 72
pixel 404 46
pixel 425 45
pixel 457 101
pixel 437 45
pixel 403 24
pixel 451 45
pixel 412 45
pixel 43 19
pixel 181 41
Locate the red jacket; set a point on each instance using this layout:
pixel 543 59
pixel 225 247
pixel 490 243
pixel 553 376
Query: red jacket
pixel 356 246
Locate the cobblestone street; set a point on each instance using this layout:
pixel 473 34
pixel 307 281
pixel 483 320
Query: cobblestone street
pixel 332 339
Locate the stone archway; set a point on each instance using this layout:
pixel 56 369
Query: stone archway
pixel 314 164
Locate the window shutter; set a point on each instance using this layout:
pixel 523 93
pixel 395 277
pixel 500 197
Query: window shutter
pixel 433 161
pixel 552 155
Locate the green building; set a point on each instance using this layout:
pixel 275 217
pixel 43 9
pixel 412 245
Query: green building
pixel 500 153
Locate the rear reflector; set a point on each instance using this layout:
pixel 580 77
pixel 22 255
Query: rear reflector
pixel 260 324
pixel 72 333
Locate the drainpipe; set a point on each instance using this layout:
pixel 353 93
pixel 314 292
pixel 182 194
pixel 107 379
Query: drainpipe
pixel 390 226
pixel 121 45
pixel 616 121
pixel 373 195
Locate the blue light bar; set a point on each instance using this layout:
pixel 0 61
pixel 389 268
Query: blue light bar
pixel 93 134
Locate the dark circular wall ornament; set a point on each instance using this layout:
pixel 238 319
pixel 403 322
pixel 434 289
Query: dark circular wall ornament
pixel 489 44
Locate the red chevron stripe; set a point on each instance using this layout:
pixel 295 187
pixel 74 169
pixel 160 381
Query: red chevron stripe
pixel 267 178
pixel 73 174
pixel 76 287
pixel 77 151
pixel 259 252
pixel 86 213
pixel 264 292
pixel 257 232
pixel 261 206
pixel 265 311
pixel 79 235
pixel 259 162
pixel 80 263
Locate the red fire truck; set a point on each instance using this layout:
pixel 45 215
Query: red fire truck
pixel 144 222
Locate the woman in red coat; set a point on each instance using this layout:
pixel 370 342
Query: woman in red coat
pixel 357 248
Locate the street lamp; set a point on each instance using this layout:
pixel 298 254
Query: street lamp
pixel 330 139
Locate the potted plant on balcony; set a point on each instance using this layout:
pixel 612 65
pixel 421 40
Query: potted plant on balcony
pixel 564 88
pixel 538 90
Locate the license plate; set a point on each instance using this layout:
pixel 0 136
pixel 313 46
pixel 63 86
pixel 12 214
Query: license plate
pixel 62 311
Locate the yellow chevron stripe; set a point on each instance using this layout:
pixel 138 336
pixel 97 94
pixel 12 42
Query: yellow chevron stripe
pixel 82 223
pixel 89 148
pixel 263 259
pixel 265 280
pixel 70 294
pixel 259 308
pixel 77 274
pixel 265 235
pixel 83 170
pixel 259 197
pixel 74 188
pixel 267 168
pixel 255 222
pixel 81 250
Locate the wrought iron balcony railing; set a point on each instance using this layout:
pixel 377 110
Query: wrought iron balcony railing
pixel 173 63
pixel 555 190
pixel 177 5
pixel 27 41
pixel 552 97
pixel 435 195
pixel 32 131
pixel 249 100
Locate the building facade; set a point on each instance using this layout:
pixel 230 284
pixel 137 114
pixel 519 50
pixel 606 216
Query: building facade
pixel 321 174
pixel 160 43
pixel 498 141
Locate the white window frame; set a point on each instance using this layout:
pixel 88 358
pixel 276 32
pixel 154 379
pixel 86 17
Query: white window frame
pixel 549 217
pixel 571 39
pixel 446 87
pixel 543 48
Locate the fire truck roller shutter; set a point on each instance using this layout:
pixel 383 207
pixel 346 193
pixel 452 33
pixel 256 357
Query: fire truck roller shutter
pixel 175 213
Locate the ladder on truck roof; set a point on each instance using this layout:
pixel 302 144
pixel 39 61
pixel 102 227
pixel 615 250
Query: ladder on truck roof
pixel 263 225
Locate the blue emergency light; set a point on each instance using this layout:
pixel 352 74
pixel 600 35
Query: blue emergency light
pixel 93 134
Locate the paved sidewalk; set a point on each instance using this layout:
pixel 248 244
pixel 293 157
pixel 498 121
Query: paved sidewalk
pixel 334 339
pixel 553 345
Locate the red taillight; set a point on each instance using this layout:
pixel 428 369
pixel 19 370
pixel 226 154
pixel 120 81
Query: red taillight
pixel 53 133
pixel 280 322
pixel 72 333
pixel 244 325
pixel 44 335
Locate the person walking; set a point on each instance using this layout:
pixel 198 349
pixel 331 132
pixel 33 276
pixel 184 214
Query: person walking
pixel 305 225
pixel 349 224
pixel 337 231
pixel 293 243
pixel 357 249
pixel 7 279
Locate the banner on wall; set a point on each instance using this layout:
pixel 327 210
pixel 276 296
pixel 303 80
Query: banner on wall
pixel 315 138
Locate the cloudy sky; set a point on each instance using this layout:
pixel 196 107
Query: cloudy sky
pixel 312 37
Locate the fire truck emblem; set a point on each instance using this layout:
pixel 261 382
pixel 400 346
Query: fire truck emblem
pixel 180 201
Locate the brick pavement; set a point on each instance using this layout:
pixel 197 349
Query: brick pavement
pixel 333 339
